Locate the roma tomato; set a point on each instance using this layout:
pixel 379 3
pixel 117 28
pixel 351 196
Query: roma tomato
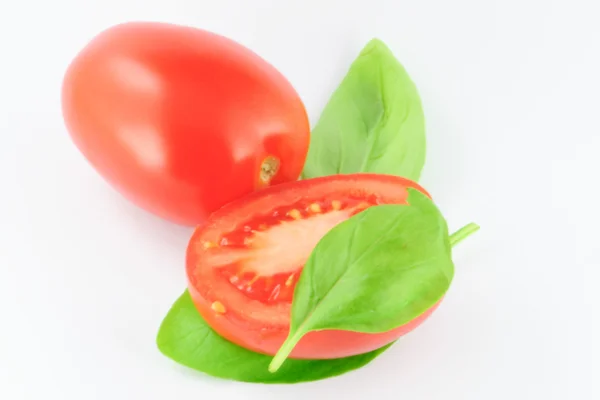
pixel 244 262
pixel 181 120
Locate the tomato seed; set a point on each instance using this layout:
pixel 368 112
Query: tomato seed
pixel 289 280
pixel 314 207
pixel 217 306
pixel 208 245
pixel 294 213
pixel 253 280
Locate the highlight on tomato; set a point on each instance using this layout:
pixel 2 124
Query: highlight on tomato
pixel 180 120
pixel 244 262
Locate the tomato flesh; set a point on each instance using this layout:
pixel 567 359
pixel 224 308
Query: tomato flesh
pixel 257 257
pixel 243 264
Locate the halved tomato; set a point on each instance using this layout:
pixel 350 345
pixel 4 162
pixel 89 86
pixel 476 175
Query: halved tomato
pixel 244 262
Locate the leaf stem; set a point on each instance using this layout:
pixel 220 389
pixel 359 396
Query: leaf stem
pixel 463 233
pixel 284 351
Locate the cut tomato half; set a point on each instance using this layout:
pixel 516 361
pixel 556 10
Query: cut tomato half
pixel 244 262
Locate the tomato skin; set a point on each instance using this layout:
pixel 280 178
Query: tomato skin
pixel 180 120
pixel 325 344
pixel 263 328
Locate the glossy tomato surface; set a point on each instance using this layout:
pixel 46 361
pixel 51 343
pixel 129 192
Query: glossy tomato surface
pixel 181 120
pixel 244 262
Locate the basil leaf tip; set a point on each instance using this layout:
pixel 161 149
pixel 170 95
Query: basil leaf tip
pixel 373 122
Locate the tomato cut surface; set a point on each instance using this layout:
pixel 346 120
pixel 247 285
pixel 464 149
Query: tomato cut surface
pixel 244 262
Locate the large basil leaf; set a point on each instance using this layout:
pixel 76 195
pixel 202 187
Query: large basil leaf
pixel 373 272
pixel 187 339
pixel 373 122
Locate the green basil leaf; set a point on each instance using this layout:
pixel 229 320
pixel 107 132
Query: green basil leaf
pixel 186 338
pixel 373 122
pixel 373 272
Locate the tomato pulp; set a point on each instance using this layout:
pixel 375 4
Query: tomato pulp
pixel 181 120
pixel 244 262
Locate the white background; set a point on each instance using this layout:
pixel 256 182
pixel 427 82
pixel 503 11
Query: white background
pixel 511 91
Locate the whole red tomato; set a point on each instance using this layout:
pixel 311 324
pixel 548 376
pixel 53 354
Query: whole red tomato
pixel 243 264
pixel 181 120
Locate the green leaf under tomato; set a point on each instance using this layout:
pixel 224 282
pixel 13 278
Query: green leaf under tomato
pixel 373 122
pixel 187 339
pixel 374 272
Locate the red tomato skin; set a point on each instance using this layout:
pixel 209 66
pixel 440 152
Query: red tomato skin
pixel 180 120
pixel 267 339
pixel 325 344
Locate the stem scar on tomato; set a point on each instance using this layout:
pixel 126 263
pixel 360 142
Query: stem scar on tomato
pixel 268 169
